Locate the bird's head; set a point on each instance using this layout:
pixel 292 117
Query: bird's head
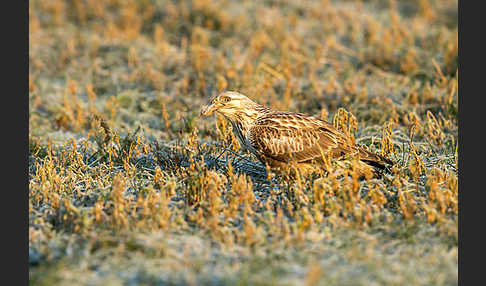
pixel 231 104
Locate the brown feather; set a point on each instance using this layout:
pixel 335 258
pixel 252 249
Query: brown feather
pixel 300 137
pixel 279 138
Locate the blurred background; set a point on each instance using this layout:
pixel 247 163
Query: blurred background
pixel 130 60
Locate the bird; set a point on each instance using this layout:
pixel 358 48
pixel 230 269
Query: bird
pixel 281 139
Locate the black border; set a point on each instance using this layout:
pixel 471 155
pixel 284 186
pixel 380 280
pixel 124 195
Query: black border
pixel 471 127
pixel 15 214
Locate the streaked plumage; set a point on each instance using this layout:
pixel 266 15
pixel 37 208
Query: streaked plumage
pixel 278 138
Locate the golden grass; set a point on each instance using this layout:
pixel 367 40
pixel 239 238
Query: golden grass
pixel 128 185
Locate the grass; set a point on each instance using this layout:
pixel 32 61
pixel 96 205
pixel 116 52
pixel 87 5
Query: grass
pixel 128 185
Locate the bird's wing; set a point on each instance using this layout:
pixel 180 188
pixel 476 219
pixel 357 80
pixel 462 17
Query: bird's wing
pixel 286 136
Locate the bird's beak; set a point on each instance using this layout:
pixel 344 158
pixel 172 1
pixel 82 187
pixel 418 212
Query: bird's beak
pixel 207 110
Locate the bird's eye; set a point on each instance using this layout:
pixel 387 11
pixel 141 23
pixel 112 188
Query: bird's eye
pixel 224 99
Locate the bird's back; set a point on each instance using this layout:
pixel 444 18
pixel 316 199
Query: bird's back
pixel 280 137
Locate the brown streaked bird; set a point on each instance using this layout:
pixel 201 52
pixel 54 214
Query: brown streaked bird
pixel 279 138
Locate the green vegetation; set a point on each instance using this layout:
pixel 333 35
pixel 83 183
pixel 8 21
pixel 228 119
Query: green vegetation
pixel 129 186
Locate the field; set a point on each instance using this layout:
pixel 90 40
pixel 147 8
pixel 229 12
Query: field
pixel 128 185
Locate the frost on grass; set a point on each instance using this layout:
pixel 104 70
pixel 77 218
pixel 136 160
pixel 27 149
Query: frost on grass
pixel 127 185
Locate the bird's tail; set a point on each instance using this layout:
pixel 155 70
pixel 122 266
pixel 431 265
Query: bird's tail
pixel 374 160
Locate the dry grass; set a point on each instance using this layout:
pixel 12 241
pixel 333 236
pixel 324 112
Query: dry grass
pixel 129 186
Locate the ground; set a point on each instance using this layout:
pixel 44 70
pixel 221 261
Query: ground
pixel 129 186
